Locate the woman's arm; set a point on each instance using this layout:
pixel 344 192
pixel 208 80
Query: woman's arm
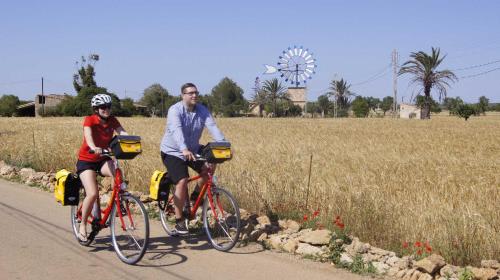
pixel 121 131
pixel 87 133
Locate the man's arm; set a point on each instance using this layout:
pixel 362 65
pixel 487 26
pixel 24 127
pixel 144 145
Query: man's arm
pixel 213 129
pixel 175 125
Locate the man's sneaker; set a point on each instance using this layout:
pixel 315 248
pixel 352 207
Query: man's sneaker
pixel 180 227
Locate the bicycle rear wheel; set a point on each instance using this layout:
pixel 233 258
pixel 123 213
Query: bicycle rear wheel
pixel 131 237
pixel 221 219
pixel 76 218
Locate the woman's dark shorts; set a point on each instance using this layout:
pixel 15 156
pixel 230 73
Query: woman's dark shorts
pixel 178 168
pixel 82 165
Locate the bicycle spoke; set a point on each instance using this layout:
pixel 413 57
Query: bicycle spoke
pixel 217 210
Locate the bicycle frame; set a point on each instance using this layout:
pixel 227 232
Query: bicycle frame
pixel 207 187
pixel 114 199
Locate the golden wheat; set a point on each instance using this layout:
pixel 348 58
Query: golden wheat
pixel 390 180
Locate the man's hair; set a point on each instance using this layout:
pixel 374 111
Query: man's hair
pixel 186 85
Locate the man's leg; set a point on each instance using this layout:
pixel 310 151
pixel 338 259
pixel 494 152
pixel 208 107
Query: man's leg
pixel 180 197
pixel 202 181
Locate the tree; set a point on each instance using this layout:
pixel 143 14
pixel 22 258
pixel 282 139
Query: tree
pixel 360 107
pixel 275 92
pixel 423 67
pixel 373 103
pixel 86 73
pixel 294 110
pixel 128 108
pixel 342 94
pixel 227 98
pixel 420 102
pixel 386 104
pixel 8 105
pixel 451 104
pixel 323 104
pixel 313 108
pixel 465 111
pixel 260 98
pixel 483 104
pixel 157 99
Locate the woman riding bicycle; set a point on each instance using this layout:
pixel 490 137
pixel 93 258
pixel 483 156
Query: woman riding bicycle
pixel 98 130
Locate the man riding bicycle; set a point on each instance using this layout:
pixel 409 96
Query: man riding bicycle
pixel 185 122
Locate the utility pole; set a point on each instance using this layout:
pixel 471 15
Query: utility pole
pixel 395 81
pixel 43 101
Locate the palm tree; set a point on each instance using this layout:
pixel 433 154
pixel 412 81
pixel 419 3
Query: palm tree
pixel 260 99
pixel 275 91
pixel 340 90
pixel 424 70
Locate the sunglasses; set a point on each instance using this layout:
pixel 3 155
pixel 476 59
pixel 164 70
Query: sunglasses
pixel 104 107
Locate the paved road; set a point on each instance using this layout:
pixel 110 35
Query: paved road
pixel 37 243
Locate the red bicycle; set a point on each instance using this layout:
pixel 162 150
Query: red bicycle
pixel 220 212
pixel 124 214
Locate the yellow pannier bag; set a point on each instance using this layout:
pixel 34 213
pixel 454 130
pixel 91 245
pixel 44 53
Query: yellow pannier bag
pixel 67 188
pixel 159 186
pixel 126 146
pixel 217 152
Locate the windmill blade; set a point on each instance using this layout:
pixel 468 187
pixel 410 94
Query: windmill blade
pixel 270 69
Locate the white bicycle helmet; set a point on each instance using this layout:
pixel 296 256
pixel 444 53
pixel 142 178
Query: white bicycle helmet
pixel 100 99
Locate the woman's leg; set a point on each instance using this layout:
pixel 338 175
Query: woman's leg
pixel 88 178
pixel 108 169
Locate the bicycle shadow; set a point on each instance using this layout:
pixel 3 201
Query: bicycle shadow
pixel 165 251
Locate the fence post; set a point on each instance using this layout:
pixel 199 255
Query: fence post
pixel 309 180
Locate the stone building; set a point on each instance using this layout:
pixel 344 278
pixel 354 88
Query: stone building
pixel 409 111
pixel 47 102
pixel 296 94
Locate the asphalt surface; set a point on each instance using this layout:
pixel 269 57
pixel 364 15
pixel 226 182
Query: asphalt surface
pixel 37 243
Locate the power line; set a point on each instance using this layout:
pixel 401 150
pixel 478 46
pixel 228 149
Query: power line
pixel 476 66
pixel 377 76
pixel 480 74
pixel 18 82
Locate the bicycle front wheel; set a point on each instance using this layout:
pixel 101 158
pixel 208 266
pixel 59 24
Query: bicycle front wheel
pixel 221 219
pixel 130 233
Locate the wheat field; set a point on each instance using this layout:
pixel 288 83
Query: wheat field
pixel 391 180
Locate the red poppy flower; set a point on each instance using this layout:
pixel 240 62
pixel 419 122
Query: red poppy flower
pixel 405 244
pixel 341 225
pixel 305 218
pixel 428 249
pixel 418 244
pixel 419 252
pixel 315 214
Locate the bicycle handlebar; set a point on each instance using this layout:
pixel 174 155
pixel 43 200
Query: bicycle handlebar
pixel 198 157
pixel 105 152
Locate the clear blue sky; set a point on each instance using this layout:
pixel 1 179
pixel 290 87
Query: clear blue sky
pixel 172 42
